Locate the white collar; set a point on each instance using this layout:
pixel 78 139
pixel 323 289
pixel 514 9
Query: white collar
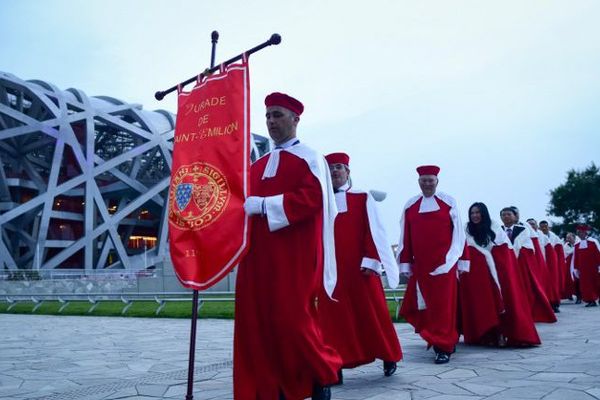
pixel 273 161
pixel 340 198
pixel 344 188
pixel 428 204
pixel 288 143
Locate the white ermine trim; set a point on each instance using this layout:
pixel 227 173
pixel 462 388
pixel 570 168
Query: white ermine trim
pixel 464 265
pixel 409 203
pixel 405 268
pixel 320 169
pixel 372 264
pixel 275 213
pixel 458 237
pixel 384 250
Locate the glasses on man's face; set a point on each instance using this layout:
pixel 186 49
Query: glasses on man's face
pixel 336 167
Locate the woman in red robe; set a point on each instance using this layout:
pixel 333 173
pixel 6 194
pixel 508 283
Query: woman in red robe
pixel 494 306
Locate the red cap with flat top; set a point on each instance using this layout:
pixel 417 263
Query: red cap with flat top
pixel 338 158
pixel 285 101
pixel 428 170
pixel 584 227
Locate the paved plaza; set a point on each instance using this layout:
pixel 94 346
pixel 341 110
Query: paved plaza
pixel 92 358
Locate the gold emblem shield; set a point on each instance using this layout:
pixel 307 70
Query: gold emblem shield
pixel 198 195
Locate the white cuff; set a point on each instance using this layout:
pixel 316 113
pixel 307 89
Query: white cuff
pixel 464 265
pixel 372 264
pixel 275 212
pixel 405 268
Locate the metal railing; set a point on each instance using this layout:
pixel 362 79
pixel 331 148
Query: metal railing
pixel 128 299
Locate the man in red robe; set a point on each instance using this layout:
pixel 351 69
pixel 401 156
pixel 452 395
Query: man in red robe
pixel 540 266
pixel 586 263
pixel 520 237
pixel 561 265
pixel 279 350
pixel 550 260
pixel 358 324
pixel 572 283
pixel 430 250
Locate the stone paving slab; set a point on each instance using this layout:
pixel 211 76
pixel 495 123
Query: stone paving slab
pixel 102 358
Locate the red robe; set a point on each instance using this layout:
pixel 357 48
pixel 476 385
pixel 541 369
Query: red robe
pixel 427 246
pixel 517 323
pixel 358 324
pixel 569 288
pixel 553 274
pixel 540 267
pixel 541 310
pixel 561 265
pixel 587 261
pixel 278 345
pixel 481 302
pixel 493 300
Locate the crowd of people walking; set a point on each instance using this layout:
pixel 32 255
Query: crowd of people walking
pixel 310 300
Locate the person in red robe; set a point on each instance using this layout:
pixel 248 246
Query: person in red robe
pixel 586 264
pixel 572 283
pixel 547 258
pixel 432 250
pixel 279 351
pixel 357 323
pixel 494 306
pixel 561 266
pixel 520 237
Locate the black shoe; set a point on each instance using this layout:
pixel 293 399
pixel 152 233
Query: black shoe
pixel 591 304
pixel 321 393
pixel 555 309
pixel 442 357
pixel 578 301
pixel 389 367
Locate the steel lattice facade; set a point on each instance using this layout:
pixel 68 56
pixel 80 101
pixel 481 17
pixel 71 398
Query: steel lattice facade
pixel 83 180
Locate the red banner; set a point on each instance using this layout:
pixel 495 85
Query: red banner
pixel 208 229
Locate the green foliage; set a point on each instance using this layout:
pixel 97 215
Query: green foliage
pixel 577 200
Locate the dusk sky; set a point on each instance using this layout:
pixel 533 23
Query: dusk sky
pixel 503 95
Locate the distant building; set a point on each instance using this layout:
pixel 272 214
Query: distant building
pixel 83 180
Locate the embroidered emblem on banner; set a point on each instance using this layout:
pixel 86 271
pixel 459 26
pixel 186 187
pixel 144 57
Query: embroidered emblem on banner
pixel 200 193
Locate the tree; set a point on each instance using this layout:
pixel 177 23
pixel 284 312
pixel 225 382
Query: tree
pixel 577 200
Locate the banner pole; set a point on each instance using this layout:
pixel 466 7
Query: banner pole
pixel 190 382
pixel 214 37
pixel 190 378
pixel 275 39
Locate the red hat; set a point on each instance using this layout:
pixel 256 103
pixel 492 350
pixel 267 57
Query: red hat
pixel 285 101
pixel 584 227
pixel 338 158
pixel 428 170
